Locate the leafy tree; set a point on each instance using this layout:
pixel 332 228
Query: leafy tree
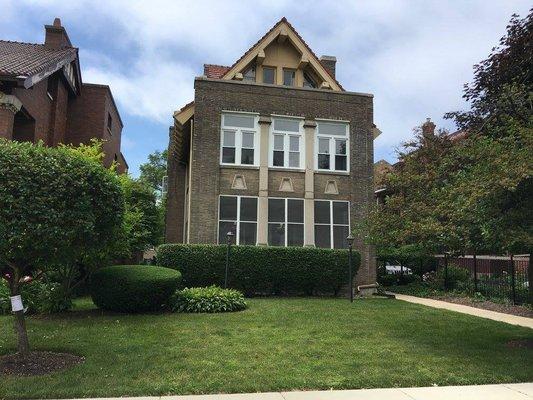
pixel 55 204
pixel 153 171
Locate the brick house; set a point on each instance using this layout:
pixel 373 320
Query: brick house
pixel 274 149
pixel 42 97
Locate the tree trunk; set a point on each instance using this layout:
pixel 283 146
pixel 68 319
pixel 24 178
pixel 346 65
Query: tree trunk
pixel 20 323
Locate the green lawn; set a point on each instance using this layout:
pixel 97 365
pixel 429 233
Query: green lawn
pixel 277 344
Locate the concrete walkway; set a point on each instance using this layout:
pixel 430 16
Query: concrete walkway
pixel 515 391
pixel 478 312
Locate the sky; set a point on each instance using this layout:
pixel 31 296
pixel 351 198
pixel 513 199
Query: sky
pixel 413 56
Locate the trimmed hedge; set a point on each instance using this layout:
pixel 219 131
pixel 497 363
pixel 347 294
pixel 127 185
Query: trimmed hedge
pixel 257 270
pixel 133 288
pixel 212 299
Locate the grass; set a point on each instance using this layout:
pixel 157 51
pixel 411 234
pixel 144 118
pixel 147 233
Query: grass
pixel 277 344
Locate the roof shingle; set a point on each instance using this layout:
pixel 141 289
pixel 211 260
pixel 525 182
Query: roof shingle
pixel 27 59
pixel 215 71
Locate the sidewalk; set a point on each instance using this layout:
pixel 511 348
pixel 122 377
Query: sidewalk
pixel 477 312
pixel 515 391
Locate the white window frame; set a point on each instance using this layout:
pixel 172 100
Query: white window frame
pixel 286 144
pixel 238 220
pixel 238 139
pixel 286 222
pixel 331 223
pixel 332 147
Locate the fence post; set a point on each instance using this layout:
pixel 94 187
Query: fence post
pixel 513 283
pixel 475 272
pixel 445 271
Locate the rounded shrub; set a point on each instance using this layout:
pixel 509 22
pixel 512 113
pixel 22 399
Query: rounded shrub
pixel 133 288
pixel 212 299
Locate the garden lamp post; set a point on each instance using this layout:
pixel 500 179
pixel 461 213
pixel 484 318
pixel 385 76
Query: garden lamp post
pixel 350 240
pixel 229 236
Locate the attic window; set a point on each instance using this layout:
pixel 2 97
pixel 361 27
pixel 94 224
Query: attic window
pixel 109 122
pixel 308 81
pixel 269 75
pixel 249 74
pixel 288 76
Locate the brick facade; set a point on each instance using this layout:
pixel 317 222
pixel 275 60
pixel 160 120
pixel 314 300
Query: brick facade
pixel 209 179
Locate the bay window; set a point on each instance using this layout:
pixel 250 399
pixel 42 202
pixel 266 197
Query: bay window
pixel 238 214
pixel 285 222
pixel 332 147
pixel 239 140
pixel 286 143
pixel 332 223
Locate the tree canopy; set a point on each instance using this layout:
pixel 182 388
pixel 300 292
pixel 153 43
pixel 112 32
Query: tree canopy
pixel 153 171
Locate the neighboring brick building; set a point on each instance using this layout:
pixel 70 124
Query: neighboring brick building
pixel 274 150
pixel 42 97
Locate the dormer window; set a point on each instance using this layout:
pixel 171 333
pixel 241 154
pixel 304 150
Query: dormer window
pixel 288 76
pixel 308 81
pixel 249 74
pixel 269 75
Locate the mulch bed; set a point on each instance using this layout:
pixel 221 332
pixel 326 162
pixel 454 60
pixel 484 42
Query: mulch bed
pixel 521 311
pixel 520 344
pixel 37 363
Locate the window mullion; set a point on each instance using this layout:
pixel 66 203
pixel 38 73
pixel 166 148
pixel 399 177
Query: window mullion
pixel 286 221
pixel 331 223
pixel 333 152
pixel 237 230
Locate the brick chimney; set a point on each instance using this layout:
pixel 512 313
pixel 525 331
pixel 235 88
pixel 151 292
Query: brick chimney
pixel 329 63
pixel 428 127
pixel 56 36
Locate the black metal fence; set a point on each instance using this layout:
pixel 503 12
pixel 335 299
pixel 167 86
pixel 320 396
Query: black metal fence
pixel 494 276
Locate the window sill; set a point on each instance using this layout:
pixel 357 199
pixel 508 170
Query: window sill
pixel 286 169
pixel 236 166
pixel 329 172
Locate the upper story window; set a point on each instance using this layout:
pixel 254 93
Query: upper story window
pixel 109 122
pixel 332 146
pixel 309 82
pixel 286 143
pixel 269 75
pixel 249 74
pixel 239 139
pixel 288 77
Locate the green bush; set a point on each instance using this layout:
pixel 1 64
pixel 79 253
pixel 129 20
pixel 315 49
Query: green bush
pixel 257 270
pixel 458 278
pixel 133 288
pixel 212 299
pixel 38 298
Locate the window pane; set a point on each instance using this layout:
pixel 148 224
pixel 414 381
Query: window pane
pixel 228 208
pixel 340 163
pixel 278 159
pixel 276 210
pixel 276 234
pixel 322 212
pixel 238 120
pixel 249 74
pixel 295 235
pixel 323 161
pixel 288 77
pixel 229 139
pixel 340 233
pixel 248 209
pixel 294 160
pixel 228 155
pixel 286 124
pixel 294 143
pixel 322 236
pixel 332 128
pixel 223 229
pixel 323 145
pixel 308 81
pixel 295 210
pixel 247 233
pixel 278 142
pixel 340 146
pixel 247 156
pixel 248 139
pixel 340 212
pixel 268 75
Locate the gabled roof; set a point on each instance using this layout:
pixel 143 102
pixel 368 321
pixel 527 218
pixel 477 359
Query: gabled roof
pixel 299 43
pixel 25 60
